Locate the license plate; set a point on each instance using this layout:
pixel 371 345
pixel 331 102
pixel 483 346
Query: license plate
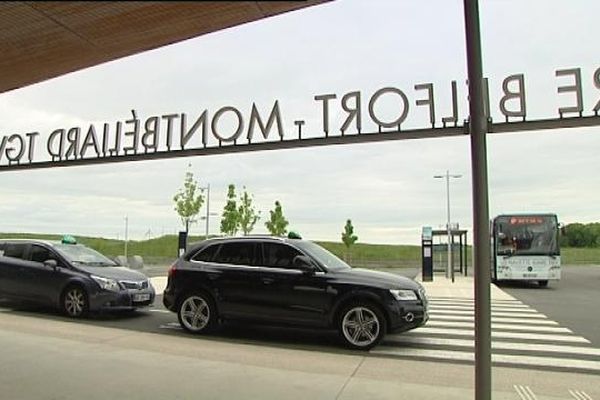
pixel 529 275
pixel 141 297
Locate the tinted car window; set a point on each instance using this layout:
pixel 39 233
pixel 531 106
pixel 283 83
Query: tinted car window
pixel 207 254
pixel 279 255
pixel 328 259
pixel 41 254
pixel 240 253
pixel 14 250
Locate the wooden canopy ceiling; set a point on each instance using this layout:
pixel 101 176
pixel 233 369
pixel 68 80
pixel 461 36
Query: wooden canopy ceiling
pixel 42 40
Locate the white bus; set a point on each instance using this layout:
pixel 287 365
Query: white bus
pixel 525 248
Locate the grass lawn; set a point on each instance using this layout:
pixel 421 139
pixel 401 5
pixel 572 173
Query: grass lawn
pixel 163 250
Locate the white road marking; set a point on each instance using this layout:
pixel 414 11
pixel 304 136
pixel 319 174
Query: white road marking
pixel 517 309
pixel 494 314
pixel 525 392
pixel 471 300
pixel 501 334
pixel 496 358
pixel 554 329
pixel 171 325
pixel 496 319
pixel 580 395
pixel 472 303
pixel 496 345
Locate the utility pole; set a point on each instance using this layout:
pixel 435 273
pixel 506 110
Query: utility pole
pixel 448 226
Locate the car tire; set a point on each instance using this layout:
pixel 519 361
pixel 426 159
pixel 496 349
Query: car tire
pixel 197 313
pixel 361 325
pixel 543 283
pixel 74 302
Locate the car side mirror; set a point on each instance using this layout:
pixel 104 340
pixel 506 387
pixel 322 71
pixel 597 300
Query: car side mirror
pixel 51 264
pixel 304 264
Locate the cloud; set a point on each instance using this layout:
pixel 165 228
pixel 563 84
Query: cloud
pixel 387 189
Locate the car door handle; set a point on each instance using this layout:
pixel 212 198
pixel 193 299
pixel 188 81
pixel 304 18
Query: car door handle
pixel 268 281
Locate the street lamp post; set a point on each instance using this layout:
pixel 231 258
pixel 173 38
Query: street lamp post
pixel 207 207
pixel 448 227
pixel 126 234
pixel 208 213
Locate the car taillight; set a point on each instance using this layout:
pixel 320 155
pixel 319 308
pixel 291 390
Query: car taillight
pixel 172 270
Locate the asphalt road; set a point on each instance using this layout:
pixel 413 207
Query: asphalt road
pixel 573 302
pixel 159 320
pixel 43 352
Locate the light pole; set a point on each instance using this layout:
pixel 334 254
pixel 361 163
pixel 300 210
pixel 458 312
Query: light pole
pixel 208 213
pixel 126 234
pixel 448 227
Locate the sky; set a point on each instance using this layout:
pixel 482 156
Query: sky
pixel 386 189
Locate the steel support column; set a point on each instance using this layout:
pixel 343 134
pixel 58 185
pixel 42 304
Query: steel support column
pixel 481 245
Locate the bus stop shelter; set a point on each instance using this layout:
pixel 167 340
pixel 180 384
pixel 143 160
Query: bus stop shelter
pixel 459 250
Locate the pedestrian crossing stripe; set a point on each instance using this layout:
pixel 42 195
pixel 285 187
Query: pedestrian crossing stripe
pixel 458 300
pixel 508 320
pixel 515 306
pixel 494 313
pixel 496 345
pixel 501 334
pixel 521 335
pixel 531 361
pixel 496 325
pixel 519 310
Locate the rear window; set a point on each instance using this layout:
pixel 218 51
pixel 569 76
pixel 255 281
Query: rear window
pixel 41 254
pixel 238 253
pixel 15 250
pixel 207 254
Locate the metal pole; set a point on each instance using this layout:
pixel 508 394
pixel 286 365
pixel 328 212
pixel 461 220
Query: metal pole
pixel 207 207
pixel 448 264
pixel 452 263
pixel 126 234
pixel 481 245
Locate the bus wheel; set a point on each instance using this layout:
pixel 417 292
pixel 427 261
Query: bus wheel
pixel 543 283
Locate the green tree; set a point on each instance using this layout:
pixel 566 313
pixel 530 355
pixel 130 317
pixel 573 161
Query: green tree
pixel 230 219
pixel 247 213
pixel 188 200
pixel 581 235
pixel 277 225
pixel 348 237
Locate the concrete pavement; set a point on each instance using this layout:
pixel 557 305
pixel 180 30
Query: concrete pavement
pixel 462 287
pixel 48 357
pixel 56 359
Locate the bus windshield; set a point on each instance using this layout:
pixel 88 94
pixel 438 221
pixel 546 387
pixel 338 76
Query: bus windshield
pixel 527 235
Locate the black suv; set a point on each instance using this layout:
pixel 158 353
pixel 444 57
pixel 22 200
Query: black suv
pixel 70 276
pixel 290 281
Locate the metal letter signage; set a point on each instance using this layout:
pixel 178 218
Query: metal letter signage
pixel 252 127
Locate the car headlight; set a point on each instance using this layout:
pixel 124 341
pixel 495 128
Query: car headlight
pixel 106 283
pixel 402 295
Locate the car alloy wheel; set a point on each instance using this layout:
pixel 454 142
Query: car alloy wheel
pixel 195 313
pixel 362 327
pixel 75 302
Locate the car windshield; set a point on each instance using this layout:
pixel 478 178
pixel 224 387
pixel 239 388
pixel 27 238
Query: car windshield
pixel 328 259
pixel 79 254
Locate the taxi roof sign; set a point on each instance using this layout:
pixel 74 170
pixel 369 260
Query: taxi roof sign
pixel 68 239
